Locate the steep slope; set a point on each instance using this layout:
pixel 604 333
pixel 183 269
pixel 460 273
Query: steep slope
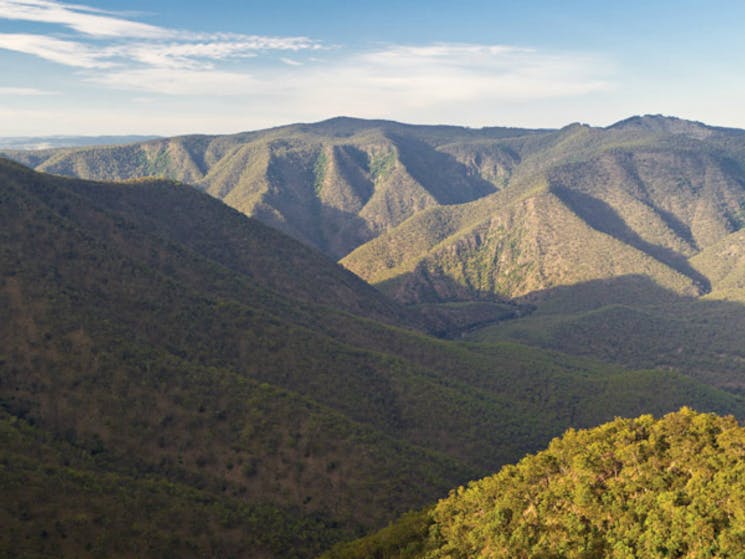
pixel 334 185
pixel 641 197
pixel 160 335
pixel 724 264
pixel 630 488
pixel 429 210
pixel 122 341
pixel 522 247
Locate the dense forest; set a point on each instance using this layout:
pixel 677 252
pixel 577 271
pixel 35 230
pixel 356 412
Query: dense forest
pixel 631 488
pixel 193 363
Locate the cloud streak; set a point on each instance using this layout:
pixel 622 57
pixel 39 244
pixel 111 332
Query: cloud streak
pixel 179 81
pixel 105 40
pixel 295 78
pixel 431 74
pixel 83 19
pixel 402 76
pixel 25 91
pixel 69 53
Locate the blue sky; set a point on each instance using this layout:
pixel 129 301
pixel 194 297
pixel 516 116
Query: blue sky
pixel 176 67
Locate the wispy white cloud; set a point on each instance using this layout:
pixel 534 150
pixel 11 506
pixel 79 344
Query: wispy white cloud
pixel 202 54
pixel 372 82
pixel 69 53
pixel 83 19
pixel 157 55
pixel 295 78
pixel 96 23
pixel 430 74
pixel 25 91
pixel 106 39
pixel 431 82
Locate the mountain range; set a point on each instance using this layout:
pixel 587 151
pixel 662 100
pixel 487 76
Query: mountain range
pixel 438 213
pixel 174 359
pixel 631 223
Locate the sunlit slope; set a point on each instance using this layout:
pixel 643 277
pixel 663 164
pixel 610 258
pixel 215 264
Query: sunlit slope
pixel 630 488
pixel 724 264
pixel 455 213
pixel 529 245
pixel 153 328
pixel 334 185
pixel 586 204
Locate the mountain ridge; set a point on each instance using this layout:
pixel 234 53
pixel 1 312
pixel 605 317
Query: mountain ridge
pixel 141 338
pixel 443 216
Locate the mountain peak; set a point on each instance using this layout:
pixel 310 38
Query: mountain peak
pixel 663 124
pixel 343 126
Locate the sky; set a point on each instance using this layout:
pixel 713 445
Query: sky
pixel 170 67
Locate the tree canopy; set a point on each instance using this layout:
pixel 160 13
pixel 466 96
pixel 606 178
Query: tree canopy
pixel 631 488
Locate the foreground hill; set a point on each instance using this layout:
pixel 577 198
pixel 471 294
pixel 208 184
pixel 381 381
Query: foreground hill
pixel 630 488
pixel 158 344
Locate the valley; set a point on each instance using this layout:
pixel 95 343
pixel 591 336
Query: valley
pixel 271 342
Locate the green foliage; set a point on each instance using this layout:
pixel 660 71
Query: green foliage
pixel 159 165
pixel 403 539
pixel 320 171
pixel 433 214
pixel 699 337
pixel 381 164
pixel 631 488
pixel 162 333
pixel 628 489
pixel 61 500
pixel 277 175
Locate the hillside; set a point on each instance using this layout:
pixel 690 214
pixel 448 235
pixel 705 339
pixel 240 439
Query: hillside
pixel 442 213
pixel 334 185
pixel 583 204
pixel 649 488
pixel 161 345
pixel 634 322
pixel 724 263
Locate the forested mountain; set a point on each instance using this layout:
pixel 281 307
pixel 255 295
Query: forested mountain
pixel 177 378
pixel 640 197
pixel 630 488
pixel 440 213
pixel 587 235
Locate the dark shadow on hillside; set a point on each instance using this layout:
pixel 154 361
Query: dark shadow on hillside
pixel 602 217
pixel 440 174
pixel 629 321
pixel 422 286
pixel 671 220
pixel 333 232
pixel 632 289
pixel 447 308
pixel 634 322
pixel 350 162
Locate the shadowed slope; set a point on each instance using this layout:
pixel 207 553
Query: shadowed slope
pixel 149 326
